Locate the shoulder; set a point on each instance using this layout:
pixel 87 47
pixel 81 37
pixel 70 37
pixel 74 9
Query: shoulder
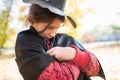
pixel 28 38
pixel 67 40
pixel 28 35
pixel 25 33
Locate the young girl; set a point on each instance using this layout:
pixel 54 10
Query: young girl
pixel 42 54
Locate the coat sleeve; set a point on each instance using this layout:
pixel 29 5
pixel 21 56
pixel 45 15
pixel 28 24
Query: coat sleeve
pixel 65 40
pixel 30 57
pixel 93 60
pixel 87 62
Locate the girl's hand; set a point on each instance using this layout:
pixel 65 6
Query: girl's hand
pixel 62 53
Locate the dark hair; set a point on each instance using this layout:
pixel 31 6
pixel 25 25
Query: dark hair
pixel 38 14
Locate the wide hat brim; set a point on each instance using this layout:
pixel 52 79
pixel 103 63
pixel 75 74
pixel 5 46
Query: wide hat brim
pixel 45 4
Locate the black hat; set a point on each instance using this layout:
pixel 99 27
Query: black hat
pixel 55 6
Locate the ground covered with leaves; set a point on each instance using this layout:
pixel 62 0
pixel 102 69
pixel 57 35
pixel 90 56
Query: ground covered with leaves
pixel 107 53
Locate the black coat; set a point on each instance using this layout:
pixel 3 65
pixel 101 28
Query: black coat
pixel 31 54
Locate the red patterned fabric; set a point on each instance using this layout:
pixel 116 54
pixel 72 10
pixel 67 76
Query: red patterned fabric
pixel 60 71
pixel 93 66
pixel 87 62
pixel 48 44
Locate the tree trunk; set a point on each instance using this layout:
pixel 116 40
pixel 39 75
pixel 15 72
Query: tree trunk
pixel 0 52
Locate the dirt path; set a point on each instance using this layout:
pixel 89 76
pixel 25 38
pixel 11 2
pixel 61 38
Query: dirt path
pixel 109 57
pixel 9 70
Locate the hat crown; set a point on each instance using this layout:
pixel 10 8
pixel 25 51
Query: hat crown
pixel 59 4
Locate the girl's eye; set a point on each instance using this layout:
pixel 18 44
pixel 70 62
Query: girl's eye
pixel 53 27
pixel 50 28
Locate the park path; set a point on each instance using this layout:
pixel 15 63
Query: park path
pixel 109 56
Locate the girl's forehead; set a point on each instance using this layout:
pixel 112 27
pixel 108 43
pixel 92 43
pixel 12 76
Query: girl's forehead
pixel 56 22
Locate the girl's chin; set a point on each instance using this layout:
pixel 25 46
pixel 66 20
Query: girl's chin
pixel 48 37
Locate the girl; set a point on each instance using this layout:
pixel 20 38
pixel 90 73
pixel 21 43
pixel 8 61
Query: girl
pixel 42 54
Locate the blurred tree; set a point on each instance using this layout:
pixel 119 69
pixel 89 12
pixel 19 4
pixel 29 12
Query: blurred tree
pixel 22 17
pixel 105 33
pixel 115 31
pixel 74 10
pixel 5 31
pixel 115 27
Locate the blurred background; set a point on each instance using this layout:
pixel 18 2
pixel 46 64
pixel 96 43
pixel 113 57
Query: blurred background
pixel 98 30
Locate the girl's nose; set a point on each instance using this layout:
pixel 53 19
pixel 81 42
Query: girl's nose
pixel 53 33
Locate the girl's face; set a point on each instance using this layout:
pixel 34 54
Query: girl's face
pixel 50 31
